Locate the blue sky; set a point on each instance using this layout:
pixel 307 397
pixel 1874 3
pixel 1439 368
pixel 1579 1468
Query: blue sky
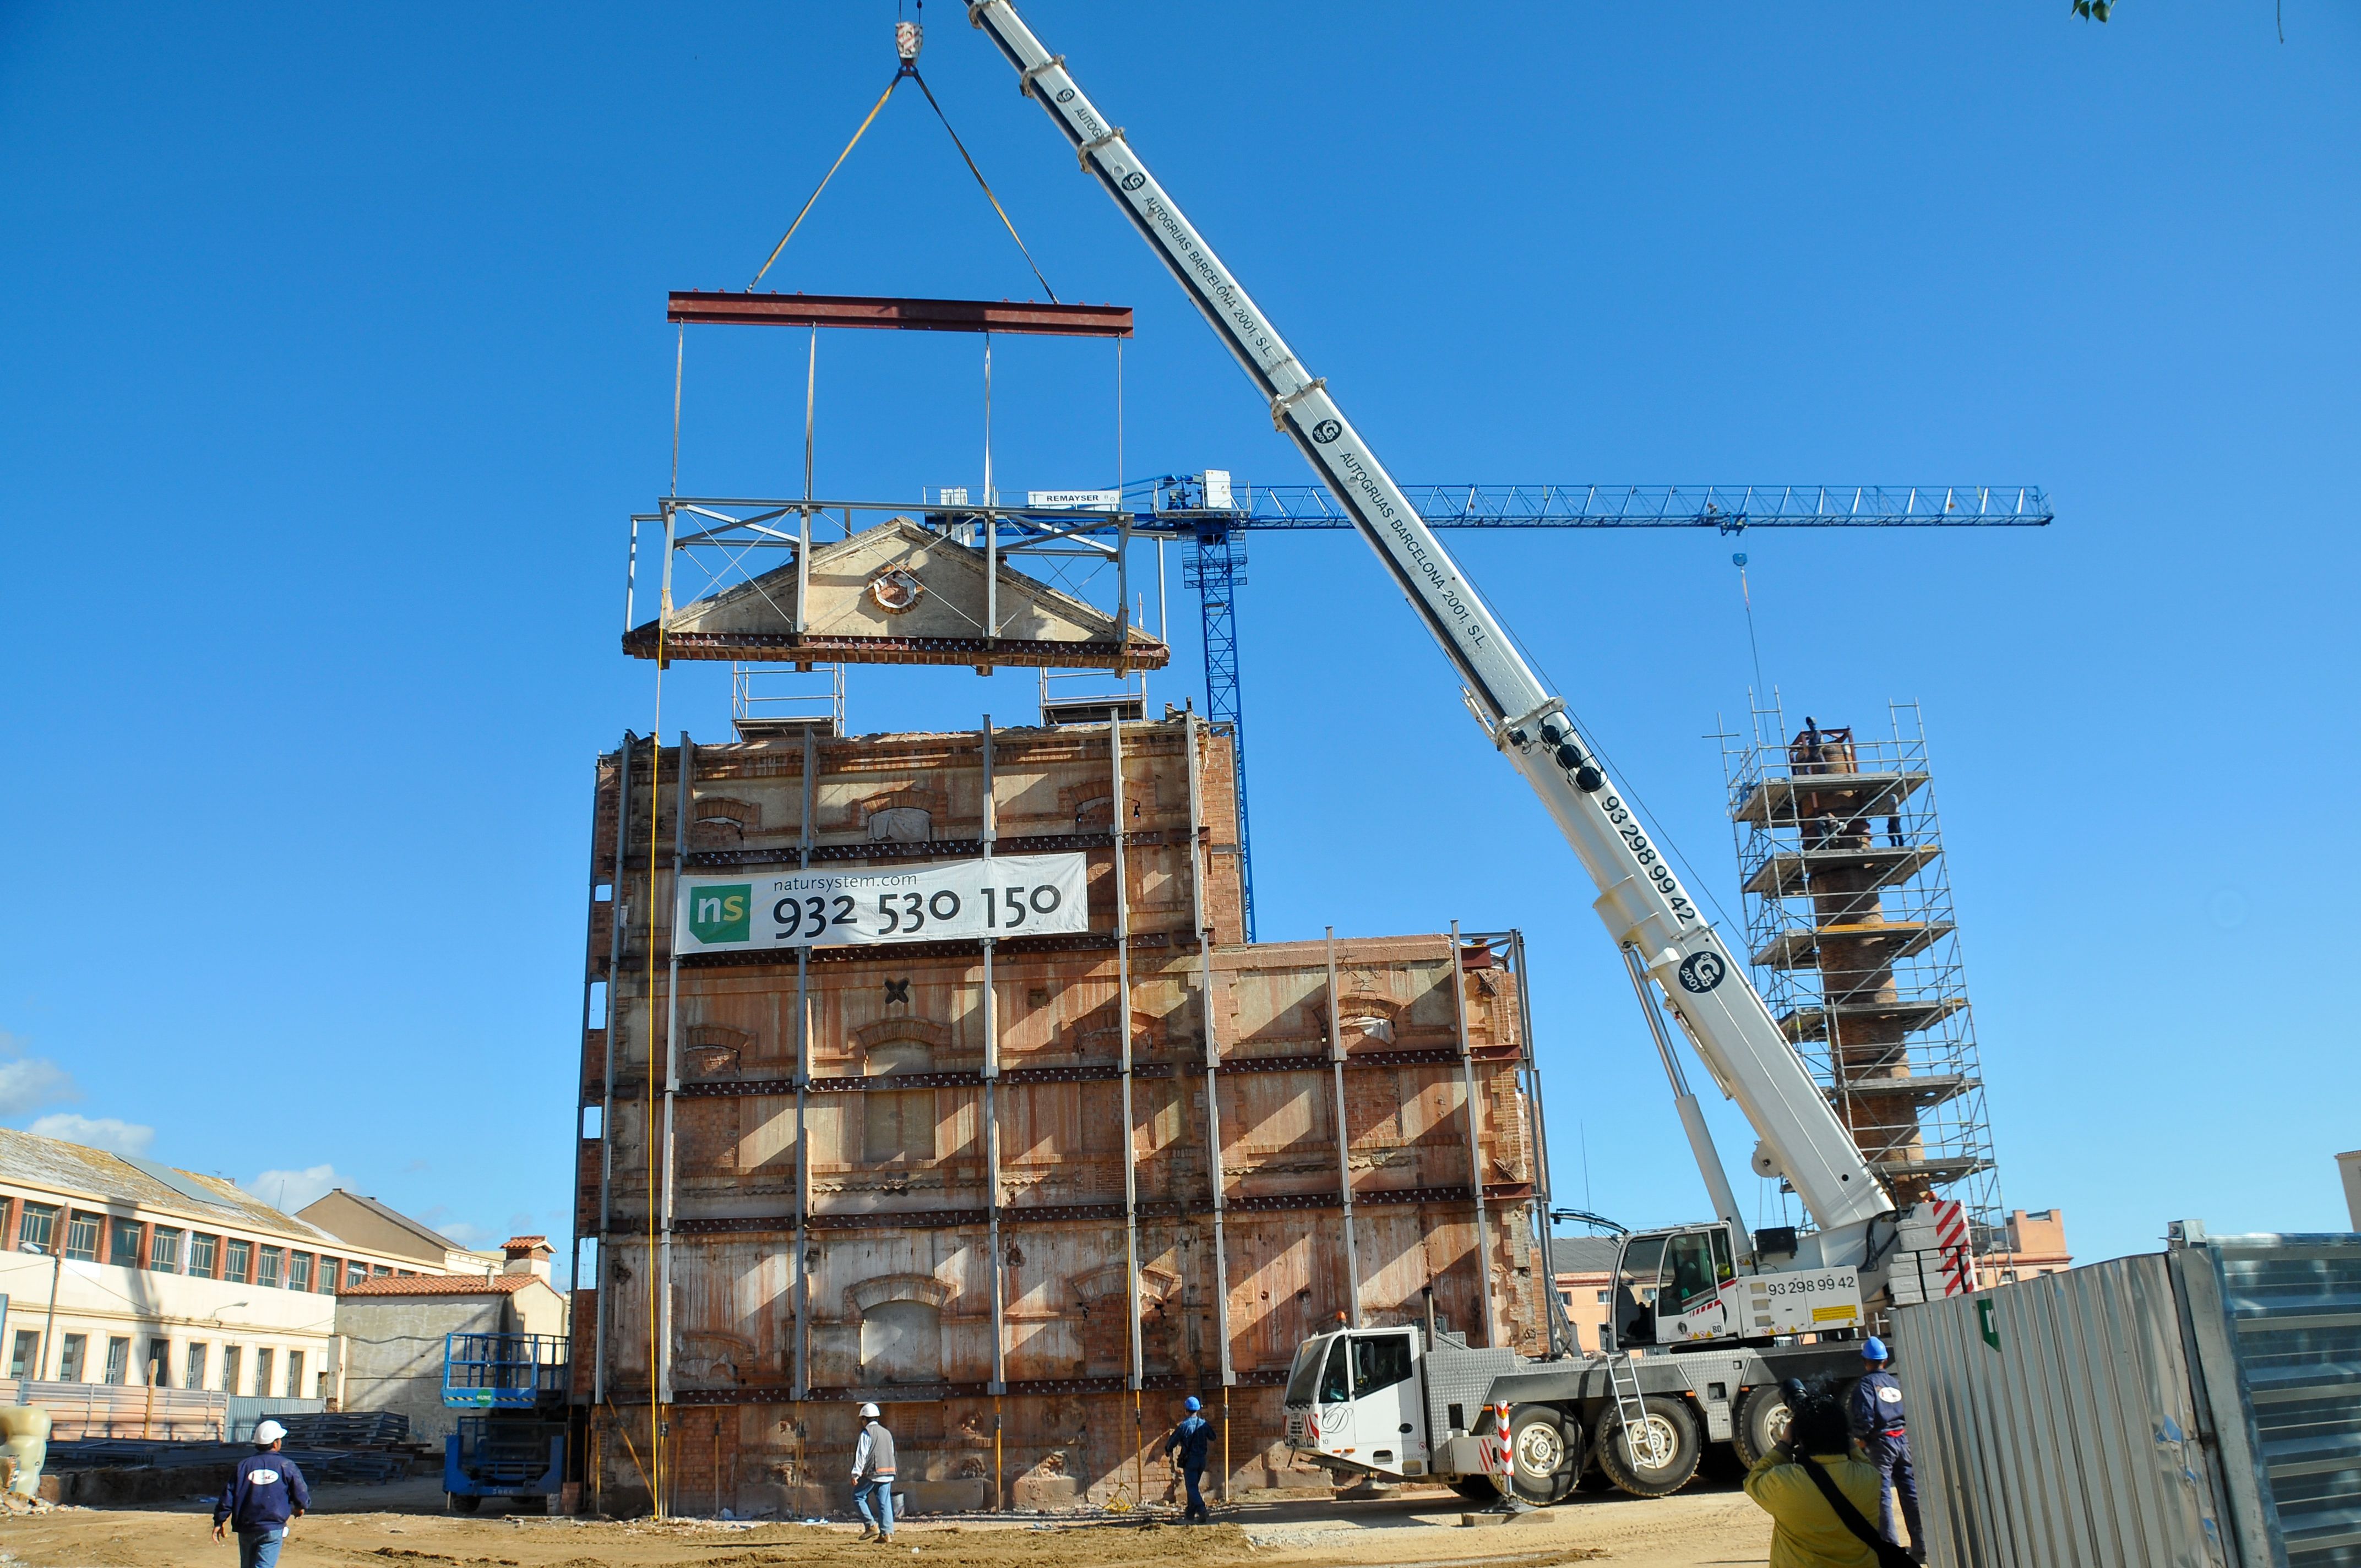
pixel 332 361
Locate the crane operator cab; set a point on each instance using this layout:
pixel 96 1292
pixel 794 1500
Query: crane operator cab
pixel 1684 1287
pixel 1353 1403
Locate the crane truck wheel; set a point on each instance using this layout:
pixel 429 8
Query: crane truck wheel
pixel 1668 1446
pixel 1545 1449
pixel 463 1502
pixel 1762 1424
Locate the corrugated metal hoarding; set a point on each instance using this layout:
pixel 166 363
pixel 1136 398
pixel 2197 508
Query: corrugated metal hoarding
pixel 2201 1406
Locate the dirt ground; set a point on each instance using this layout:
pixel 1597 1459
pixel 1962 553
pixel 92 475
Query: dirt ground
pixel 403 1526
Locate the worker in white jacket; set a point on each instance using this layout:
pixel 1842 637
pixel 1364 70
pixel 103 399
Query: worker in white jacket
pixel 873 1475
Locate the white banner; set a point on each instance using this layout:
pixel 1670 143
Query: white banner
pixel 1009 896
pixel 1074 500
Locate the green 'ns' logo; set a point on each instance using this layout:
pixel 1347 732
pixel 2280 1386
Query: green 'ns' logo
pixel 718 913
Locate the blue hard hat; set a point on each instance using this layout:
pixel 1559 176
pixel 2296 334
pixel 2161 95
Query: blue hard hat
pixel 1191 1403
pixel 1873 1349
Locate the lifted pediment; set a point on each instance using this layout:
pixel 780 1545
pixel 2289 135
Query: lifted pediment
pixel 900 594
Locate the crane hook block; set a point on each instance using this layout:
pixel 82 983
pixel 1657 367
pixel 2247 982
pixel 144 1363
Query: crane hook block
pixel 908 38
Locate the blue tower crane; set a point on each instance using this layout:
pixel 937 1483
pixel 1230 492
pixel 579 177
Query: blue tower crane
pixel 1212 514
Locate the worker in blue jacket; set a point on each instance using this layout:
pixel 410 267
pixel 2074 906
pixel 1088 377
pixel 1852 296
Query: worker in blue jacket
pixel 264 1493
pixel 1882 1427
pixel 1189 1440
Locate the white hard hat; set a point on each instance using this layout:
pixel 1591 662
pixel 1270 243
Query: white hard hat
pixel 870 1412
pixel 268 1433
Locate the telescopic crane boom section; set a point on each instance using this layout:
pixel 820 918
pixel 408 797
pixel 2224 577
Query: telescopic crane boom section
pixel 1640 900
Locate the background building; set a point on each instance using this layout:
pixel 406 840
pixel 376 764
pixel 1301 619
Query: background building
pixel 166 1278
pixel 1583 1269
pixel 392 1330
pixel 2029 1244
pixel 366 1223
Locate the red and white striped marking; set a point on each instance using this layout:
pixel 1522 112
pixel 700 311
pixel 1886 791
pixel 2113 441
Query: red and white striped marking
pixel 1951 1239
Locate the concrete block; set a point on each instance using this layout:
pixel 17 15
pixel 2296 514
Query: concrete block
pixel 970 1495
pixel 1045 1492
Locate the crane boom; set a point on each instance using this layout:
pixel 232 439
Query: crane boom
pixel 1646 910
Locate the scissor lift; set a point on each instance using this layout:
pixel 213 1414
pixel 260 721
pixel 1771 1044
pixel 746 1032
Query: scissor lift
pixel 516 1447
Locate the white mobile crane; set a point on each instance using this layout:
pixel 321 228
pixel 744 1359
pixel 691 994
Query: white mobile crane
pixel 1396 1402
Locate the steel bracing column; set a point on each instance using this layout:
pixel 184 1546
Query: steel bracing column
pixel 682 786
pixel 1344 1143
pixel 991 1108
pixel 1200 862
pixel 802 1385
pixel 1475 1142
pixel 1562 1331
pixel 1115 818
pixel 1216 571
pixel 619 911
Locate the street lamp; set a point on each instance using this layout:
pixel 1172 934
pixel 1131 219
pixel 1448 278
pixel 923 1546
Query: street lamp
pixel 49 1327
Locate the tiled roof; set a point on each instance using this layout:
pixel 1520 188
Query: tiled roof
pixel 1584 1255
pixel 58 1165
pixel 435 1242
pixel 523 1243
pixel 442 1285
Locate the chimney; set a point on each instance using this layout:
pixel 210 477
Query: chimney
pixel 527 1255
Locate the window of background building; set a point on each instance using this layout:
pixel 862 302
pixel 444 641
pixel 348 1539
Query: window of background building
pixel 382 1271
pixel 299 1271
pixel 23 1355
pixel 320 1386
pixel 231 1355
pixel 118 1359
pixel 160 1363
pixel 124 1252
pixel 39 1220
pixel 201 1250
pixel 355 1272
pixel 1602 1297
pixel 81 1237
pixel 294 1373
pixel 194 1373
pixel 235 1258
pixel 405 1273
pixel 262 1359
pixel 267 1269
pixel 164 1251
pixel 331 1269
pixel 75 1346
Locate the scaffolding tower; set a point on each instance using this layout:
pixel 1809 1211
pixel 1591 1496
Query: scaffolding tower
pixel 1851 931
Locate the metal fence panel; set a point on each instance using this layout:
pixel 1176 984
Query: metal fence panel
pixel 2057 1427
pixel 2285 1315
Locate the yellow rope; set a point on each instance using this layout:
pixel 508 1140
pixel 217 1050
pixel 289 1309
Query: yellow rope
pixel 828 176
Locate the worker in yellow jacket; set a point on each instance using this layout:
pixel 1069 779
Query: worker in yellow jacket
pixel 1810 1528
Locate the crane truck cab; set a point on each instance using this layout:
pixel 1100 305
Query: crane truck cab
pixel 1354 1402
pixel 1696 1287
